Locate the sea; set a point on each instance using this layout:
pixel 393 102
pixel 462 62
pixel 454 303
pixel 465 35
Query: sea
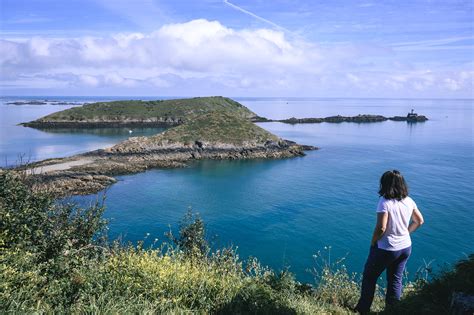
pixel 299 213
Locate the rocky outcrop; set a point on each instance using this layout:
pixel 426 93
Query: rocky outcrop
pixel 28 103
pixel 132 156
pixel 204 128
pixel 417 118
pixel 158 122
pixel 353 119
pixel 66 183
pixel 178 152
pixel 43 102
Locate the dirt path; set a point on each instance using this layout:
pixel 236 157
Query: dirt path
pixel 59 166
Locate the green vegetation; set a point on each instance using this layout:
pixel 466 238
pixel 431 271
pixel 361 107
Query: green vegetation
pixel 54 257
pixel 433 296
pixel 161 110
pixel 216 127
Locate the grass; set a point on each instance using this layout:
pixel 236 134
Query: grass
pixel 202 119
pixel 177 109
pixel 55 258
pixel 216 127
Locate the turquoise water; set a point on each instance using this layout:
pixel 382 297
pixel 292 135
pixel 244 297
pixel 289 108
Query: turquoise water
pixel 284 211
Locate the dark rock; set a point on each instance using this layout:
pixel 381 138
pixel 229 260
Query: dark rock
pixel 27 103
pixel 45 125
pixel 198 143
pixel 354 119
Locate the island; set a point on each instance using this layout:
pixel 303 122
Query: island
pixel 43 102
pixel 410 118
pixel 169 113
pixel 136 113
pixel 199 128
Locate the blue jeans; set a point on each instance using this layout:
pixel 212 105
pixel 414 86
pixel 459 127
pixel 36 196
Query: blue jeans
pixel 379 260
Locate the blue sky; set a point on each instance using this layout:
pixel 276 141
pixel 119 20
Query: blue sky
pixel 238 48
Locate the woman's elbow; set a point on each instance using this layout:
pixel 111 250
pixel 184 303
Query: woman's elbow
pixel 419 221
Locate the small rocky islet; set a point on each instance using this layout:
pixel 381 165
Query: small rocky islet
pixel 43 102
pixel 199 128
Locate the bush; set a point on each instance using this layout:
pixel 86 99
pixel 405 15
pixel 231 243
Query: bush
pixel 192 236
pixel 33 221
pixel 42 245
pixel 434 297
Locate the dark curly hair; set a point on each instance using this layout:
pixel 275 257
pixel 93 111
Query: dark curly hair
pixel 393 185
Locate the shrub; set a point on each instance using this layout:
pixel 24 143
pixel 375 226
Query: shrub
pixel 42 244
pixel 434 297
pixel 33 221
pixel 192 236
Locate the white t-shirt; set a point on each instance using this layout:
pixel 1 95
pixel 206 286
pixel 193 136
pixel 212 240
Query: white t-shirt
pixel 396 236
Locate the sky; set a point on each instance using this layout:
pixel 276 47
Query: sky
pixel 272 48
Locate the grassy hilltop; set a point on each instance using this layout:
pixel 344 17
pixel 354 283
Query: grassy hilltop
pixel 165 112
pixel 218 126
pixel 208 130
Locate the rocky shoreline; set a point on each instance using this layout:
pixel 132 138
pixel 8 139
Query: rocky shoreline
pixel 43 102
pixel 341 119
pixel 101 124
pixel 100 167
pixel 165 122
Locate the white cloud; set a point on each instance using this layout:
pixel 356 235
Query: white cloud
pixel 207 57
pixel 89 80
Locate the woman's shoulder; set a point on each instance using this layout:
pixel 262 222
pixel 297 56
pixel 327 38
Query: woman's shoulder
pixel 406 200
pixel 382 199
pixel 409 200
pixel 384 202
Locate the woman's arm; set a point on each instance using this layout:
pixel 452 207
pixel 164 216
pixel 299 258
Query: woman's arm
pixel 380 227
pixel 416 220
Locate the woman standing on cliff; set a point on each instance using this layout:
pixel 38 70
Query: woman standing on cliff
pixel 391 242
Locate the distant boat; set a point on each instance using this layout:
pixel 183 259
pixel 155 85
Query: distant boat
pixel 130 131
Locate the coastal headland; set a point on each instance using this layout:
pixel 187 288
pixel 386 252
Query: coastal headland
pixel 198 128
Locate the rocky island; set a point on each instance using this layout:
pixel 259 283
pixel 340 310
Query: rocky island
pixel 200 128
pixel 133 113
pixel 169 113
pixel 43 102
pixel 410 118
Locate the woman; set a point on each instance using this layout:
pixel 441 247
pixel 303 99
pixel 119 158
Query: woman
pixel 391 243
